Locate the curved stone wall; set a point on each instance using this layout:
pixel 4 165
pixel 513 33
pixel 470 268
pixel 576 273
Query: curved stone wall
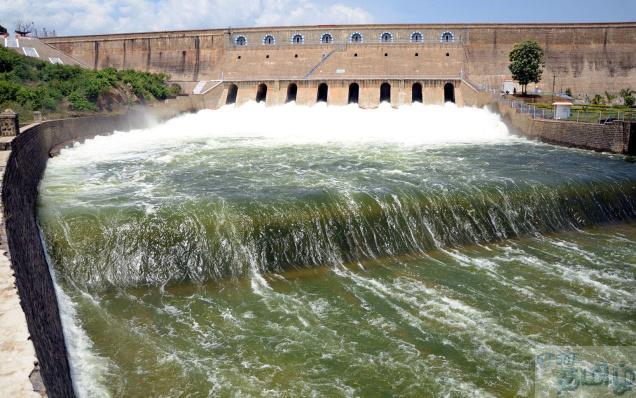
pixel 30 151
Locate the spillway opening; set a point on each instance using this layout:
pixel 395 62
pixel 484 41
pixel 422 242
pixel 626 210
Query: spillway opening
pixel 239 246
pixel 449 92
pixel 323 93
pixel 232 93
pixel 292 92
pixel 354 93
pixel 416 93
pixel 385 92
pixel 261 93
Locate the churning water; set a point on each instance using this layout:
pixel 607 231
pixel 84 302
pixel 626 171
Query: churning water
pixel 334 251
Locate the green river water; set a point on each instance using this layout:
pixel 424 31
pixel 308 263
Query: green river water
pixel 420 251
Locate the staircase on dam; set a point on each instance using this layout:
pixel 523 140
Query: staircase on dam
pixel 323 60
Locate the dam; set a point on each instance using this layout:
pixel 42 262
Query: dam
pixel 332 211
pixel 252 256
pixel 586 58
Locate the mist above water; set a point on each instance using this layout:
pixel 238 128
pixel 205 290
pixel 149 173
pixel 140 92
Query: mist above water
pixel 291 124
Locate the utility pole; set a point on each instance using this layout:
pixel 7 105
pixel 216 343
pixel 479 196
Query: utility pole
pixel 553 85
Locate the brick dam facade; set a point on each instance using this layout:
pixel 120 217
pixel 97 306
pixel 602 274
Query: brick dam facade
pixel 587 58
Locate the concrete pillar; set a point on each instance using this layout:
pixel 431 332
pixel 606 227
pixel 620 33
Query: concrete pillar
pixel 9 125
pixel 401 95
pixel 433 93
pixel 370 94
pixel 339 93
pixel 307 93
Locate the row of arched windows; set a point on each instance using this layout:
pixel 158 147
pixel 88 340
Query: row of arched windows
pixel 354 93
pixel 356 37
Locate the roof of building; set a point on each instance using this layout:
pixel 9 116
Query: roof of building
pixel 35 48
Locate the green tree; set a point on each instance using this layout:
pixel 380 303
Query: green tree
pixel 610 97
pixel 568 92
pixel 628 96
pixel 526 63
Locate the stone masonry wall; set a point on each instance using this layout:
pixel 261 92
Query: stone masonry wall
pixel 612 137
pixel 588 58
pixel 9 125
pixel 30 151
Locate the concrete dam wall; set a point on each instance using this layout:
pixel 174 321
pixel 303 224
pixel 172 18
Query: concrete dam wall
pixel 587 58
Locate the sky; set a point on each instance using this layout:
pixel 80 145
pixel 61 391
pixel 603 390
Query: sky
pixel 73 17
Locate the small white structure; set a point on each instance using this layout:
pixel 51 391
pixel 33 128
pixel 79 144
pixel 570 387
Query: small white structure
pixel 508 86
pixel 562 110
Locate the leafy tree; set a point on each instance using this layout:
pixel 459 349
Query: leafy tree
pixel 568 92
pixel 597 100
pixel 610 97
pixel 526 63
pixel 628 96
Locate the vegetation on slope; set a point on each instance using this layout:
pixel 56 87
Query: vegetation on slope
pixel 28 84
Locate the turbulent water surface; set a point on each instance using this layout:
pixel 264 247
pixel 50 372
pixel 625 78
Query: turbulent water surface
pixel 333 251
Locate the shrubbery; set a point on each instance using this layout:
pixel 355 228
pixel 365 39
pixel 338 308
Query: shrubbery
pixel 28 84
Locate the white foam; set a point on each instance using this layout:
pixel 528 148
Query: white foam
pixel 88 370
pixel 255 125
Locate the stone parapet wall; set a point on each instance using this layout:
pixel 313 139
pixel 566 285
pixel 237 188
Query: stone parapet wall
pixel 617 137
pixel 30 151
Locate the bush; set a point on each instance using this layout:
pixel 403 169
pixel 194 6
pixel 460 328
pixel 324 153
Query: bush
pixel 30 84
pixel 80 103
pixel 597 100
pixel 628 97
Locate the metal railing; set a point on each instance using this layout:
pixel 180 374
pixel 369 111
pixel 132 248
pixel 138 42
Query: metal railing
pixel 584 115
pixel 576 115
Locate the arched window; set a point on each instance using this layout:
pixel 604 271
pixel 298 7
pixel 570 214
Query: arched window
pixel 298 39
pixel 417 37
pixel 240 41
pixel 326 38
pixel 447 37
pixel 356 38
pixel 269 40
pixel 386 37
